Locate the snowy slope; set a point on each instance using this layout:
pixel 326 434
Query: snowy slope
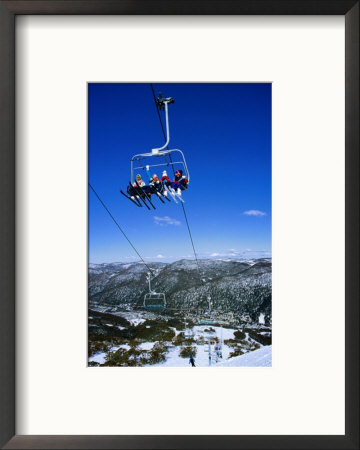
pixel 257 358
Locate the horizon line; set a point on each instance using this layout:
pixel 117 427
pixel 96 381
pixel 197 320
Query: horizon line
pixel 226 258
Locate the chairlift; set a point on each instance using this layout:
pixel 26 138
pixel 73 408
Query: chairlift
pixel 154 300
pixel 207 317
pixel 161 158
pixel 210 338
pixel 207 321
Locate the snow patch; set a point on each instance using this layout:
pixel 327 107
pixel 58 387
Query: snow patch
pixel 174 330
pixel 135 319
pixel 257 358
pixel 98 357
pixel 146 345
pixel 124 347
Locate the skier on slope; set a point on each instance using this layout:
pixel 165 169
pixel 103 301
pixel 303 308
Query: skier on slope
pixel 192 361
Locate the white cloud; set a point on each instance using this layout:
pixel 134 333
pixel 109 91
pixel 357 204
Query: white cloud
pixel 237 254
pixel 254 212
pixel 166 220
pixel 160 256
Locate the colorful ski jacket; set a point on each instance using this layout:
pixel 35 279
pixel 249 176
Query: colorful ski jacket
pixel 141 183
pixel 165 178
pixel 151 178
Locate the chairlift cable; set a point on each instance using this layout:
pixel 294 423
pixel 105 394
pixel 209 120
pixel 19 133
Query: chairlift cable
pixel 158 112
pixel 182 204
pixel 107 210
pixel 192 242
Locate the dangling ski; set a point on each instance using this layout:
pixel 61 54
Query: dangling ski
pixel 174 194
pixel 157 193
pixel 163 192
pixel 179 196
pixel 145 194
pixel 160 194
pixel 167 198
pixel 140 195
pixel 171 192
pixel 133 199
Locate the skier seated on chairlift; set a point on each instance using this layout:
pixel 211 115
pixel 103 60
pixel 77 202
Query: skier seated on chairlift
pixel 179 184
pixel 139 188
pixel 154 182
pixel 132 191
pixel 139 181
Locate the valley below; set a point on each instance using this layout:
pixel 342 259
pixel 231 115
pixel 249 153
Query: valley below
pixel 222 317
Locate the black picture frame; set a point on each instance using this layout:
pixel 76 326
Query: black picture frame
pixel 8 12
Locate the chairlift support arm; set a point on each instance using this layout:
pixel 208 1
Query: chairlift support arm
pixel 164 150
pixel 163 102
pixel 149 280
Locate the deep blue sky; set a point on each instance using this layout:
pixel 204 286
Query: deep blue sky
pixel 224 131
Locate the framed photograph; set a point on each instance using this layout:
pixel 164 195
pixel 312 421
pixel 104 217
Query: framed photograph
pixel 179 224
pixel 210 305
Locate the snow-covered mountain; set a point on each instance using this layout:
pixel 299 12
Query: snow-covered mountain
pixel 239 286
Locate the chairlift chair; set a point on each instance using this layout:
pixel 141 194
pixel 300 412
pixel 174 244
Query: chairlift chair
pixel 209 336
pixel 152 299
pixel 207 321
pixel 162 157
